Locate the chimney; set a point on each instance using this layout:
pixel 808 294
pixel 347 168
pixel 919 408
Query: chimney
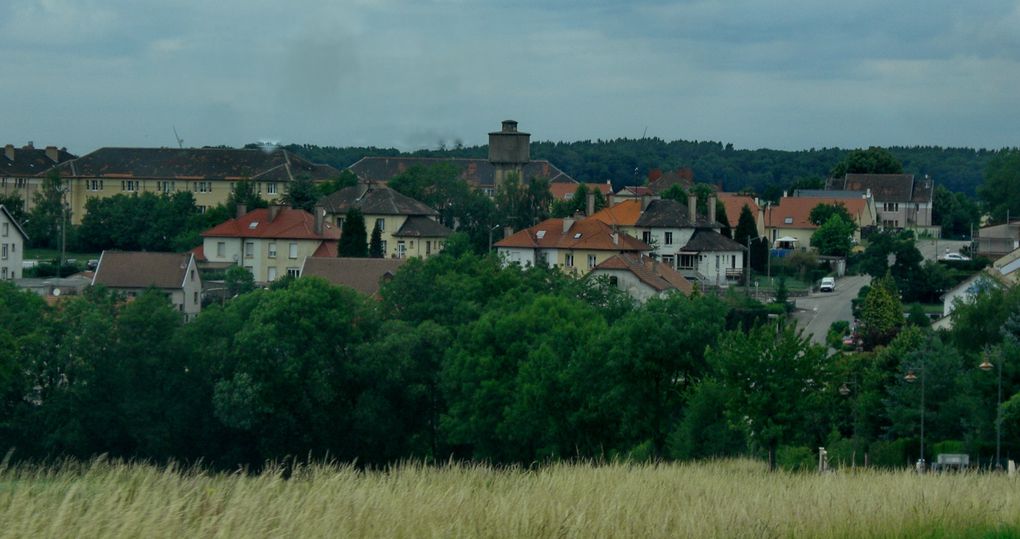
pixel 320 217
pixel 868 193
pixel 242 209
pixel 692 208
pixel 645 201
pixel 9 152
pixel 784 194
pixel 711 209
pixel 567 223
pixel 274 210
pixel 616 238
pixel 509 126
pixel 30 145
pixel 52 153
pixel 590 204
pixel 508 231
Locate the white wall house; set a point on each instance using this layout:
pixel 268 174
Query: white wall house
pixel 12 246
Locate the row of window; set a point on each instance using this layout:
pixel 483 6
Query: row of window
pixel 647 237
pixel 271 273
pixel 249 249
pixel 169 186
pixel 568 261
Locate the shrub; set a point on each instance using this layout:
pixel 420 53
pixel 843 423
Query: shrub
pixel 796 458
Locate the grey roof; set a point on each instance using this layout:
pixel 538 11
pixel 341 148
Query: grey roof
pixel 708 240
pixel 195 164
pixel 11 218
pixel 30 161
pixel 134 269
pixel 362 274
pixel 666 213
pixel 477 172
pixel 886 187
pixel 419 226
pixel 374 200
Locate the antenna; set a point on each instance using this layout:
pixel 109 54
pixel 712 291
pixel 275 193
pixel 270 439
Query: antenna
pixel 645 133
pixel 180 141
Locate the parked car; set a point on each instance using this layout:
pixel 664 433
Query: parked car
pixel 828 285
pixel 955 256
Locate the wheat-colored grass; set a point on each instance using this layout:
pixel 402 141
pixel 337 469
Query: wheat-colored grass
pixel 720 499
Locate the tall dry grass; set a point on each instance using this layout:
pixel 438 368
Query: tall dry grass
pixel 720 499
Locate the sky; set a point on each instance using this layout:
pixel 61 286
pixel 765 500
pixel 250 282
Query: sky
pixel 783 74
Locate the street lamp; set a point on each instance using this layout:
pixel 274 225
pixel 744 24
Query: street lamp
pixel 911 378
pixel 987 366
pixel 490 236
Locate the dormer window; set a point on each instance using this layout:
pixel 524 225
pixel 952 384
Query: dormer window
pixel 253 225
pixel 577 236
pixel 788 220
pixel 540 234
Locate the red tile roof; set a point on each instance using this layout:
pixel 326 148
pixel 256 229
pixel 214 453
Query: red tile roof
pixel 625 213
pixel 734 204
pixel 289 224
pixel 588 234
pixel 798 210
pixel 653 273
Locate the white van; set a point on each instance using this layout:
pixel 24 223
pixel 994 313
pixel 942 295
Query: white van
pixel 828 285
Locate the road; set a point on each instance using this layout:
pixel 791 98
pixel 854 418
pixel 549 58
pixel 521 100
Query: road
pixel 818 311
pixel 928 247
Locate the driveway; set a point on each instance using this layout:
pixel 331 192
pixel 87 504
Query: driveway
pixel 932 249
pixel 816 312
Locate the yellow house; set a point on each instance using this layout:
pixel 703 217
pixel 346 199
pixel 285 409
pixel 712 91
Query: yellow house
pixel 208 173
pixel 574 246
pixel 407 227
pixel 269 242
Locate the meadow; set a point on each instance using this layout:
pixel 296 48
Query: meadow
pixel 736 498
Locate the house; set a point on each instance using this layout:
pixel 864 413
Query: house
pixel 573 245
pixel 22 170
pixel 407 227
pixel 642 277
pixel 12 246
pixel 788 224
pixel 691 243
pixel 270 242
pixel 366 275
pixel 563 190
pixel 132 272
pixel 509 153
pixel 660 182
pixel 902 200
pixel 631 192
pixel 734 204
pixel 998 240
pixel 208 173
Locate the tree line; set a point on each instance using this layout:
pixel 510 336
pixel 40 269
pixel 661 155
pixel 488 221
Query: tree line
pixel 461 358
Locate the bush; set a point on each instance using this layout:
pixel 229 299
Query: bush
pixel 949 446
pixel 796 458
pixel 893 454
pixel 846 452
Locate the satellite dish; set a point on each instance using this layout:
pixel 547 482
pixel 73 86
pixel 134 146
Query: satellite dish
pixel 56 291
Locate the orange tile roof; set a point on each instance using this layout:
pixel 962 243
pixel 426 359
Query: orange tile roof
pixel 653 273
pixel 587 234
pixel 327 249
pixel 625 213
pixel 561 190
pixel 798 209
pixel 289 224
pixel 734 204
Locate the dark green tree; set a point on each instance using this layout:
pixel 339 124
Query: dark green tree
pixel 301 194
pixel 244 192
pixel 375 249
pixel 238 281
pixel 345 179
pixel 834 238
pixel 881 313
pixel 956 213
pixel 773 379
pixel 353 237
pixel 15 205
pixel 874 160
pixel 747 229
pixel 1001 188
pixel 723 219
pixel 821 213
pixel 48 213
pixel 675 192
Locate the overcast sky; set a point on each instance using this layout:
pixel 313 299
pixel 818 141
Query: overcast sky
pixel 786 74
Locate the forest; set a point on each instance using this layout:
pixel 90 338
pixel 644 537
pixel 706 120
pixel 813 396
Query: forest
pixel 461 358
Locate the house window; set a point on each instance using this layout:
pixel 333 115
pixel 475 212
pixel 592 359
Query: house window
pixel 428 247
pixel 568 261
pixel 192 275
pixel 668 240
pixel 3 251
pixel 688 262
pixel 272 249
pixel 892 206
pixel 20 182
pixel 249 249
pixel 221 249
pixel 6 229
pixel 129 185
pixel 788 220
pixel 293 249
pixel 383 242
pixel 166 187
pixel 3 272
pixel 196 296
pixel 202 187
pixel 381 224
pixel 202 209
pixel 340 222
pixel 272 273
pixel 400 248
pixel 591 261
pixel 271 188
pixel 646 237
pixel 614 280
pixel 94 185
pixel 669 260
pixel 294 272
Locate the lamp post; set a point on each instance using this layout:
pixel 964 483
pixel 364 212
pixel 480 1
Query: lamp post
pixel 911 378
pixel 747 265
pixel 987 366
pixel 490 236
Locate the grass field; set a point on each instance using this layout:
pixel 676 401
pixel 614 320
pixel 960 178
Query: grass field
pixel 723 499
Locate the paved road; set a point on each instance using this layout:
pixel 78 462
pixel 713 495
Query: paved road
pixel 819 310
pixel 928 247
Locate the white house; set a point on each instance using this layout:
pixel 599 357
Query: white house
pixel 12 246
